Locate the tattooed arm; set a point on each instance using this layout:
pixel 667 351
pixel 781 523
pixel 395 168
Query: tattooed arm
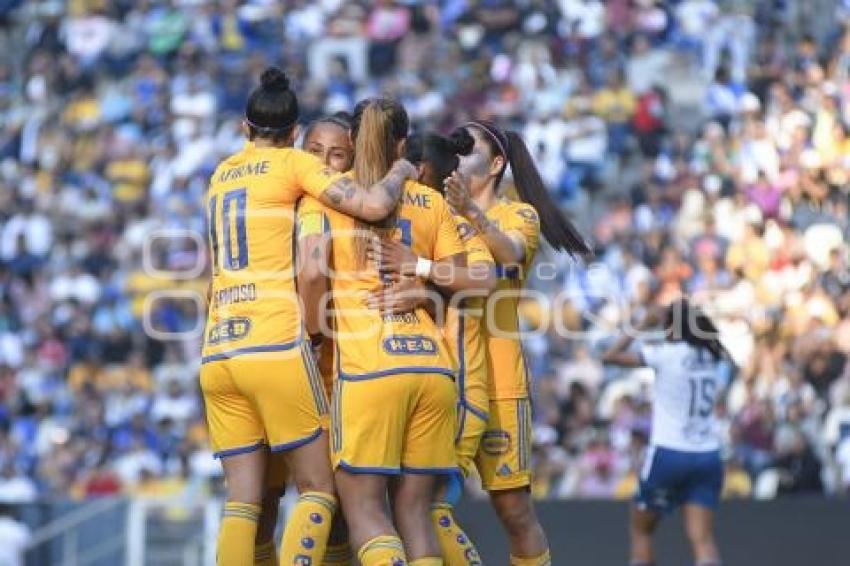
pixel 507 249
pixel 370 203
pixel 313 259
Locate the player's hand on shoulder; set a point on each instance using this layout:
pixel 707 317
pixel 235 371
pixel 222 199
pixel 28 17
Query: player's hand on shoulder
pixel 406 168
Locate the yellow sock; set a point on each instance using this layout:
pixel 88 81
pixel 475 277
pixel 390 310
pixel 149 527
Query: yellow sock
pixel 338 555
pixel 305 537
pixel 236 535
pixel 430 561
pixel 542 560
pixel 457 549
pixel 265 554
pixel 382 551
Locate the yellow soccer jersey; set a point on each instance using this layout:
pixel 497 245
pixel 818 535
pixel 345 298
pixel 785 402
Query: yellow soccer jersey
pixel 369 345
pixel 507 371
pixel 250 221
pixel 463 329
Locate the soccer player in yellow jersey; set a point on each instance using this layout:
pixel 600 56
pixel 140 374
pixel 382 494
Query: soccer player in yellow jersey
pixel 256 365
pixel 511 231
pixel 394 401
pixel 329 139
pixel 437 157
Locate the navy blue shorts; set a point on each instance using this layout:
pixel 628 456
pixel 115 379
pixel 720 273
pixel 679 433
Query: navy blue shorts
pixel 671 478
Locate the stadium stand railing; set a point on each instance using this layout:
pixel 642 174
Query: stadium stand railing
pixel 66 532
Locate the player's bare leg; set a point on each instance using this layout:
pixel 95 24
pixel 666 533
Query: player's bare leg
pixel 516 512
pixel 370 530
pixel 265 553
pixel 642 525
pixel 412 496
pixel 268 515
pixel 245 478
pixel 699 526
pixel 308 528
pixel 311 467
pixel 339 548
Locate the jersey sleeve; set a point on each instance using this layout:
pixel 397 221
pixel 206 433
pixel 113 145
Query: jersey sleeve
pixel 447 241
pixel 311 218
pixel 523 222
pixel 475 246
pixel 311 175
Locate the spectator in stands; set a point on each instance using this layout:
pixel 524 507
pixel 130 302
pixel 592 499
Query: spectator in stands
pixel 798 467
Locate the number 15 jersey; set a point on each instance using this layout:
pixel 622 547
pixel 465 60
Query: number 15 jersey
pixel 684 394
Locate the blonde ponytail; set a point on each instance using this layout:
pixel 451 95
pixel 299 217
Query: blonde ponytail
pixel 374 153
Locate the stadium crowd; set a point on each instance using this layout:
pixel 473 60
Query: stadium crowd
pixel 113 114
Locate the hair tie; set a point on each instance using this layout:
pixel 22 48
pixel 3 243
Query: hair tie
pixel 270 130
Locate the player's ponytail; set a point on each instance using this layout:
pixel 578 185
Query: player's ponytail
pixel 558 230
pixel 374 143
pixel 556 227
pixel 377 127
pixel 272 108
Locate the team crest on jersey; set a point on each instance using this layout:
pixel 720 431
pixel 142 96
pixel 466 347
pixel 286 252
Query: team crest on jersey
pixel 229 330
pixel 505 470
pixel 409 345
pixel 496 442
pixel 465 231
pixel 528 214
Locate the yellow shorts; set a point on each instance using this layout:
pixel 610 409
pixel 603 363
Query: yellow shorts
pixel 327 369
pixel 327 365
pixel 258 399
pixel 471 424
pixel 471 414
pixel 504 456
pixel 394 424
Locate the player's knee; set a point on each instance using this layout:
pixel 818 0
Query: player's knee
pixel 698 534
pixel 515 512
pixel 413 501
pixel 245 492
pixel 703 544
pixel 322 485
pixel 639 531
pixel 314 479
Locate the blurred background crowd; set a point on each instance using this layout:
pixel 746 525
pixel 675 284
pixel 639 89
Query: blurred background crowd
pixel 703 145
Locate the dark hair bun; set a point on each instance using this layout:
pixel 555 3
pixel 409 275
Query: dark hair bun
pixel 274 79
pixel 461 141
